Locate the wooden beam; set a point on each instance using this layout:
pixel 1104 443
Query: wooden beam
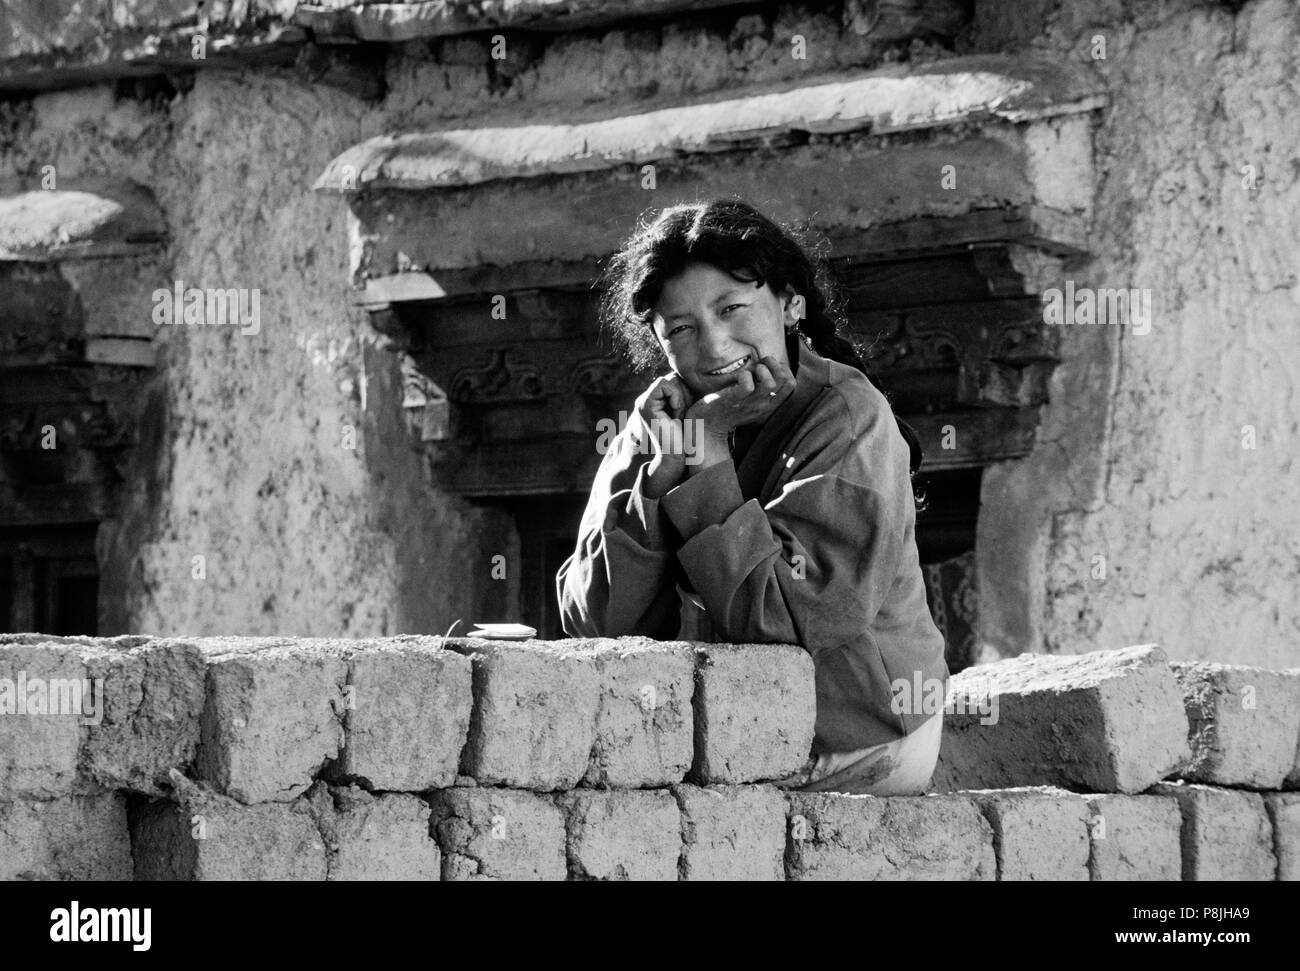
pixel 558 465
pixel 568 464
pixel 979 437
pixel 879 20
pixel 930 237
pixel 124 351
pixel 61 504
pixel 1041 227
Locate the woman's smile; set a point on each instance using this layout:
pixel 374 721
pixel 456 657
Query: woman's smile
pixel 734 366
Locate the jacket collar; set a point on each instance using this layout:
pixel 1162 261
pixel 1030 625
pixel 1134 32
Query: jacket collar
pixel 811 376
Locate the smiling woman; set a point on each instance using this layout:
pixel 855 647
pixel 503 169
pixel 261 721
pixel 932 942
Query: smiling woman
pixel 794 522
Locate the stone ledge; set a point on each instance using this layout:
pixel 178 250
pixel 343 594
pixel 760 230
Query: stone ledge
pixel 218 758
pixel 893 99
pixel 78 219
pixel 143 52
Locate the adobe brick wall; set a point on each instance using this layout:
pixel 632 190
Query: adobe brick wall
pixel 423 758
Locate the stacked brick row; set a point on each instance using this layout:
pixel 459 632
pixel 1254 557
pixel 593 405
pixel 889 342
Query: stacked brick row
pixel 428 758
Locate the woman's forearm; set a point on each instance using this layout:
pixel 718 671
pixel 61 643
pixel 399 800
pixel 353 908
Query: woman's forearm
pixel 618 580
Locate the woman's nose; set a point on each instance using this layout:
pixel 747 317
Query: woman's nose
pixel 714 343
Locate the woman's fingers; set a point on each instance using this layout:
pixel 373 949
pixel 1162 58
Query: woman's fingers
pixel 680 396
pixel 780 372
pixel 764 382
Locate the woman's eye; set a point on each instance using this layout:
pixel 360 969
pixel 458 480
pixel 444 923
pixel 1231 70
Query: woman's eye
pixel 729 306
pixel 678 329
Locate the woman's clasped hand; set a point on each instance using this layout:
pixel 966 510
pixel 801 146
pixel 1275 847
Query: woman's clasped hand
pixel 689 432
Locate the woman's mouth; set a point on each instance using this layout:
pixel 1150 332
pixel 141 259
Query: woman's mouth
pixel 729 368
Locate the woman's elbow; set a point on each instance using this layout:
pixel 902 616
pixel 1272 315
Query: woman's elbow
pixel 573 596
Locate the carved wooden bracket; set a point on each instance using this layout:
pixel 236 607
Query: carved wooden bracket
pixel 949 318
pixel 942 283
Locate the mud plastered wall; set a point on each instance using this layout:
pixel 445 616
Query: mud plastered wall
pixel 1140 463
pixel 298 532
pixel 283 494
pixel 1184 483
pixel 424 759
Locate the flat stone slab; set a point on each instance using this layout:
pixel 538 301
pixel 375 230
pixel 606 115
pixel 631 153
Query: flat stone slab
pixel 1243 723
pixel 1039 832
pixel 755 712
pixel 376 837
pixel 272 715
pixel 71 838
pixel 535 708
pixel 1105 721
pixel 406 714
pixel 732 832
pixel 644 718
pixel 489 833
pixel 1226 833
pixel 1134 837
pixel 893 98
pixel 628 834
pixel 199 834
pixel 833 836
pixel 78 218
pixel 41 723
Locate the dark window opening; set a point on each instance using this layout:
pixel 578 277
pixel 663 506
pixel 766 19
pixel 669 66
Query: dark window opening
pixel 49 580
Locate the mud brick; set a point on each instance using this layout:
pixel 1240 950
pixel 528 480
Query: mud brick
pixel 1106 721
pixel 622 834
pixel 153 697
pixel 534 719
pixel 40 750
pixel 1284 813
pixel 755 708
pixel 272 716
pixel 1226 834
pixel 644 721
pixel 732 832
pixel 407 715
pixel 202 835
pixel 1243 723
pixel 70 838
pixel 1134 837
pixel 371 837
pixel 498 834
pixel 1039 832
pixel 835 836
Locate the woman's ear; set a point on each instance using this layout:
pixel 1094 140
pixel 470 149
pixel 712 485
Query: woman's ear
pixel 791 307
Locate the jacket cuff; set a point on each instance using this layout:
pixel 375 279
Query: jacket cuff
pixel 706 499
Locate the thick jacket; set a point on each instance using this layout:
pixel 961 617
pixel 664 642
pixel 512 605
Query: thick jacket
pixel 809 540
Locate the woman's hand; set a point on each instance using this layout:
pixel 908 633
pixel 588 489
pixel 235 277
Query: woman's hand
pixel 662 406
pixel 749 401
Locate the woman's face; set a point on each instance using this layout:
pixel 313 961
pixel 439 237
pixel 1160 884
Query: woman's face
pixel 712 326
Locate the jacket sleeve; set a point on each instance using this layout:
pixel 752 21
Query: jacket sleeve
pixel 620 577
pixel 813 566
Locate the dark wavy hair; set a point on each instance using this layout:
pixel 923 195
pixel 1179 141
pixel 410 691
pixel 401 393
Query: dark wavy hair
pixel 737 239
